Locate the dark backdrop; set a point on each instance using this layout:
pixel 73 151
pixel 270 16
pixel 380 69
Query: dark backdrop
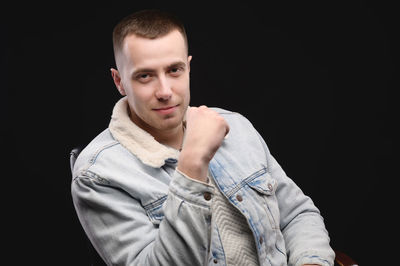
pixel 315 79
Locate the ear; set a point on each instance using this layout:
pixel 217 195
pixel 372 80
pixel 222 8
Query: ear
pixel 117 81
pixel 189 59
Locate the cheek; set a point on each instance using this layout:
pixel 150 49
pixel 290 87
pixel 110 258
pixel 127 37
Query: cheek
pixel 182 87
pixel 141 94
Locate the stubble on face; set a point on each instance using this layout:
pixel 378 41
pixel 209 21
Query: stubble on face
pixel 156 55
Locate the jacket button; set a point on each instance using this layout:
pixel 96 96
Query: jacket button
pixel 215 261
pixel 207 196
pixel 239 198
pixel 270 187
pixel 261 240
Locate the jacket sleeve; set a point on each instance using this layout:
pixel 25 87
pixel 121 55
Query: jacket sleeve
pixel 302 226
pixel 120 230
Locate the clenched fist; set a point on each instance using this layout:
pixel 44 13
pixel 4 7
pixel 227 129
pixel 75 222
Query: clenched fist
pixel 205 131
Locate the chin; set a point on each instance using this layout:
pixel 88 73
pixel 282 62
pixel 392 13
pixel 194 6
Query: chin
pixel 170 123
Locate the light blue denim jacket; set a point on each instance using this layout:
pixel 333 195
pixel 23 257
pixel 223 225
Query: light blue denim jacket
pixel 137 209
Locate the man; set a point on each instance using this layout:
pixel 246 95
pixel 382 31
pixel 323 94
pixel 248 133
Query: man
pixel 168 184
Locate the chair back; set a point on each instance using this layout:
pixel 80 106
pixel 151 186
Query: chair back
pixel 73 155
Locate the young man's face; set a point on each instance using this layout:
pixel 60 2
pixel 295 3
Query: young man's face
pixel 154 74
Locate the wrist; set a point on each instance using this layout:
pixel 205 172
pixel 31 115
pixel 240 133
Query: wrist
pixel 193 166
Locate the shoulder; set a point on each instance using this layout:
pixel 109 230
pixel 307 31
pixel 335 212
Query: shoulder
pixel 102 150
pixel 234 118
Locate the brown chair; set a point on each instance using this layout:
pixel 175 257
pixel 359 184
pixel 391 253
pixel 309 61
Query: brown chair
pixel 341 258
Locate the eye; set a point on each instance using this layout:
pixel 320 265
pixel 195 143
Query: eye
pixel 175 71
pixel 143 77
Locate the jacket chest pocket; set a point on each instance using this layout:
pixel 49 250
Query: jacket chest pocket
pixel 155 211
pixel 265 186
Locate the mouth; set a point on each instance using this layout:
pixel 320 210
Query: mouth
pixel 166 110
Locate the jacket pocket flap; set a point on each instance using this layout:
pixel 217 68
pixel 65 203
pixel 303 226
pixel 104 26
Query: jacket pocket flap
pixel 155 210
pixel 264 184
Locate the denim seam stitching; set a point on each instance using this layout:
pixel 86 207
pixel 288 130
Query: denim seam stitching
pixel 96 154
pixel 246 181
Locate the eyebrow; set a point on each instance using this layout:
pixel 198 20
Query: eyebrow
pixel 150 70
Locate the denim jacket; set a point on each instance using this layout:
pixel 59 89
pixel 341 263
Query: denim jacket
pixel 138 209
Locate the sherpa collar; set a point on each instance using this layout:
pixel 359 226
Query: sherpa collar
pixel 136 140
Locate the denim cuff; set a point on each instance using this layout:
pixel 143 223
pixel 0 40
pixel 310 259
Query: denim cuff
pixel 191 190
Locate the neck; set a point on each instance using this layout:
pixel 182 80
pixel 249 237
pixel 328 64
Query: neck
pixel 172 137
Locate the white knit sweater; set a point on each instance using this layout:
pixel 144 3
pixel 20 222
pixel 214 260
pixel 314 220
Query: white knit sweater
pixel 236 236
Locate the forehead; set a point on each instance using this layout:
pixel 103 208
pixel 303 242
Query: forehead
pixel 144 52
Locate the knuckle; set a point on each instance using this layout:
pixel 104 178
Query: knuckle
pixel 219 118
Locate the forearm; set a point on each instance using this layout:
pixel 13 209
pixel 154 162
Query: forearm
pixel 303 228
pixel 306 238
pixel 184 234
pixel 121 230
pixel 192 165
pixel 307 241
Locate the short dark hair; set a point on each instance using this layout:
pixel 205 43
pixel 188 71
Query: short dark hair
pixel 149 23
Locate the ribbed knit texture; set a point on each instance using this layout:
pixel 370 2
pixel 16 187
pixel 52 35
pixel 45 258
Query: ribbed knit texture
pixel 236 236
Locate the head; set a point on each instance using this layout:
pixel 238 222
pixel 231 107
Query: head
pixel 153 65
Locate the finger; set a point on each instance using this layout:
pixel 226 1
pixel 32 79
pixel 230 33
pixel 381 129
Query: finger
pixel 227 131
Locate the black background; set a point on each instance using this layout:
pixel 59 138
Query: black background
pixel 316 79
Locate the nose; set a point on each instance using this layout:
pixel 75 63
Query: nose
pixel 163 92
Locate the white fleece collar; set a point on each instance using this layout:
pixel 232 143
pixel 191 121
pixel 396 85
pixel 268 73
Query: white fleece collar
pixel 136 140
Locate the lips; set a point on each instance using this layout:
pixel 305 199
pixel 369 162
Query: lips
pixel 165 110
